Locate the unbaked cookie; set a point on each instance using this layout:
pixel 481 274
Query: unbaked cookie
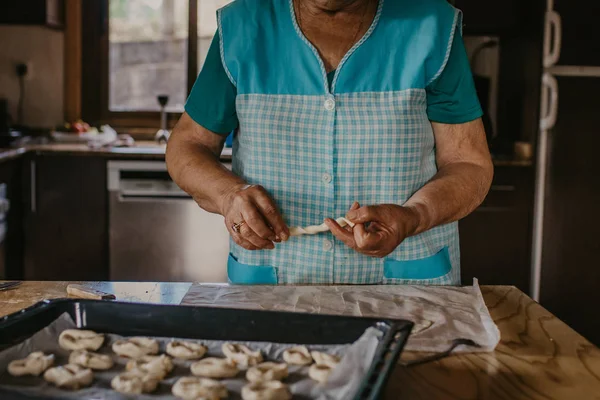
pixel 134 382
pixel 320 372
pixel 186 350
pixel 78 339
pixel 325 359
pixel 34 364
pixel 135 347
pixel 158 366
pixel 241 355
pixel 89 359
pixel 297 355
pixel 214 368
pixel 272 390
pixel 70 376
pixel 267 371
pixel 194 388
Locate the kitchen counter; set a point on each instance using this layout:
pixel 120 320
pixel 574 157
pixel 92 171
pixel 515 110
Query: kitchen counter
pixel 150 150
pixel 539 356
pixel 147 150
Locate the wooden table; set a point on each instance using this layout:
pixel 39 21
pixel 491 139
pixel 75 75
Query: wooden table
pixel 539 357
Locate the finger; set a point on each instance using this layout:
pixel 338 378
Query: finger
pixel 248 234
pixel 365 240
pixel 340 233
pixel 240 241
pixel 355 206
pixel 363 215
pixel 272 215
pixel 256 222
pixel 244 243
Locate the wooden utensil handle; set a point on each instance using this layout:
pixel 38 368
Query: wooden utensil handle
pixel 84 292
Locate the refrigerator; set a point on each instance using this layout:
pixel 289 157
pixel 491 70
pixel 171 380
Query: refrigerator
pixel 565 276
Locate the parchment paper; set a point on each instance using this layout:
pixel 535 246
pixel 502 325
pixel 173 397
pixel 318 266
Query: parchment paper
pixel 344 380
pixel 440 313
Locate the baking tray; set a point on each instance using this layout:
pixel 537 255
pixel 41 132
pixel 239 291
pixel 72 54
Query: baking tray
pixel 213 323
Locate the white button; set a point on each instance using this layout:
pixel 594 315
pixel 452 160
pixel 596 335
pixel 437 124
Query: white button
pixel 326 178
pixel 329 104
pixel 327 245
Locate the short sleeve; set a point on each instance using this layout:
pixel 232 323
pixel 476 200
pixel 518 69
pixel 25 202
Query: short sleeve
pixel 212 100
pixel 452 98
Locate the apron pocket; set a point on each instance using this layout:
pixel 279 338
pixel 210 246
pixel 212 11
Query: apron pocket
pixel 431 267
pixel 243 274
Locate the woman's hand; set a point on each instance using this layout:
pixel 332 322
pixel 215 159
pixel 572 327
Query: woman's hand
pixel 254 212
pixel 378 230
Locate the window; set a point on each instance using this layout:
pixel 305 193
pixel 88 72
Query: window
pixel 136 50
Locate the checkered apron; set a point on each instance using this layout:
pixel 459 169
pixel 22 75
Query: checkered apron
pixel 317 154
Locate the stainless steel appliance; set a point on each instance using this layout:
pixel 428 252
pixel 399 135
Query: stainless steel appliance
pixel 157 231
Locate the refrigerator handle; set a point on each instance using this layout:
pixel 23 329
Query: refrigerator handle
pixel 552 39
pixel 549 102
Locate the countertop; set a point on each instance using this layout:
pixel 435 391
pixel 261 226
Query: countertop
pixel 539 356
pixel 148 150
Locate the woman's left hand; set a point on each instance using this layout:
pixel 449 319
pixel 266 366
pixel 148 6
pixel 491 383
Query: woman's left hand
pixel 378 230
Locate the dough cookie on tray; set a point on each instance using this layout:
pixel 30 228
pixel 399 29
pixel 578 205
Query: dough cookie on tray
pixel 267 371
pixel 241 355
pixel 34 364
pixel 297 355
pixel 271 390
pixel 186 350
pixel 158 366
pixel 134 382
pixel 79 339
pixel 135 347
pixel 89 359
pixel 213 367
pixel 193 388
pixel 70 376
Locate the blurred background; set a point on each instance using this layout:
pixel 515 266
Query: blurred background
pixel 90 89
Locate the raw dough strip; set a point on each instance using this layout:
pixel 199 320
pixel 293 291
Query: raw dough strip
pixel 314 229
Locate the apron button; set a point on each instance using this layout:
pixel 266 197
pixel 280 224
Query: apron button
pixel 327 245
pixel 326 178
pixel 330 104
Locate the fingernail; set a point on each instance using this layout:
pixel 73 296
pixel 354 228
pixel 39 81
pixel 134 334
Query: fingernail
pixel 285 236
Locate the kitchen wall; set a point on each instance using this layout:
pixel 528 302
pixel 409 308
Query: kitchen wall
pixel 43 49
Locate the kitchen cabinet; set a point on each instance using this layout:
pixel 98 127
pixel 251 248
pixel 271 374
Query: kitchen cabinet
pixel 490 17
pixel 66 232
pixel 33 12
pixel 11 247
pixel 496 238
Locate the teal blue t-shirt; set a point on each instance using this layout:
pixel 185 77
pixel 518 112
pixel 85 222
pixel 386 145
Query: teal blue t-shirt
pixel 451 98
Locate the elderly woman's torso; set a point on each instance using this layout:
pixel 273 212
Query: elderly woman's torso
pixel 333 33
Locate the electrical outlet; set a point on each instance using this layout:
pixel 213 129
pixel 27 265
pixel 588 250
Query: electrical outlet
pixel 24 69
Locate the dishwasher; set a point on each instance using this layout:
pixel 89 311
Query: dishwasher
pixel 157 232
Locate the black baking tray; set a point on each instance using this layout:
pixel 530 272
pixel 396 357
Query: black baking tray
pixel 215 323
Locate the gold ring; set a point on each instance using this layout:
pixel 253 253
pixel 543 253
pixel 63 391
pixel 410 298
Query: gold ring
pixel 236 227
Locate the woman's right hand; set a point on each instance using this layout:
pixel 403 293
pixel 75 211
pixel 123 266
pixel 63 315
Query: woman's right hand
pixel 254 211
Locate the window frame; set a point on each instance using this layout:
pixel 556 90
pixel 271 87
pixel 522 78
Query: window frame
pixel 95 70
